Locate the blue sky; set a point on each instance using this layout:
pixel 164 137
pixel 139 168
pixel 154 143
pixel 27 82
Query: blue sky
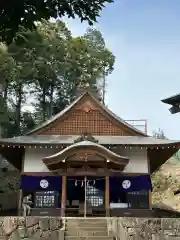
pixel 144 35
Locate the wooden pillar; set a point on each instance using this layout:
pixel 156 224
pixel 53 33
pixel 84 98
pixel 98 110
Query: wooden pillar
pixel 150 200
pixel 20 202
pixel 107 196
pixel 63 197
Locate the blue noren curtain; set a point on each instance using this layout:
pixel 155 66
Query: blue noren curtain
pixel 41 183
pixel 130 183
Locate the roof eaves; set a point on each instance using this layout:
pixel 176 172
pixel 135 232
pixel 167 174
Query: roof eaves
pixel 103 140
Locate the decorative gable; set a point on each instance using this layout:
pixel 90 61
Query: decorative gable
pixel 87 106
pixel 86 116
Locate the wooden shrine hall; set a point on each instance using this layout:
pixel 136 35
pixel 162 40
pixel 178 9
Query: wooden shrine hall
pixel 87 161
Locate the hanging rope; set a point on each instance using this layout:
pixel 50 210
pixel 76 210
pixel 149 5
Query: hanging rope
pixel 82 182
pixel 88 182
pixel 99 179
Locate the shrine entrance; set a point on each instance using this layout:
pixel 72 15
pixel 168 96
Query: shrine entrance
pixel 85 196
pixel 85 167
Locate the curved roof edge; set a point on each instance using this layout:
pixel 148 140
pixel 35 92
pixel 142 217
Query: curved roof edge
pixel 88 144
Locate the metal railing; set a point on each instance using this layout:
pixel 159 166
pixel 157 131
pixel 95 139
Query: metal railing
pixel 140 124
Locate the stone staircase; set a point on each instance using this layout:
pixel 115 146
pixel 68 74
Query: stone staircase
pixel 87 228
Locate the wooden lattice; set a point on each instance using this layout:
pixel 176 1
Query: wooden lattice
pixel 78 122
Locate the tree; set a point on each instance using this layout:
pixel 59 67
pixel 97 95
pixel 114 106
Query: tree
pixel 6 75
pixel 48 66
pixel 26 13
pixel 159 134
pixel 106 59
pixel 65 62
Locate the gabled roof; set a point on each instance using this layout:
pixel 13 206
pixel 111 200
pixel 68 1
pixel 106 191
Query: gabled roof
pixel 102 106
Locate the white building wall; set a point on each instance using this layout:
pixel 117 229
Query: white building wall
pixel 33 160
pixel 138 160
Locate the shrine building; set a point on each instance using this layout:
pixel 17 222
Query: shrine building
pixel 174 101
pixel 86 161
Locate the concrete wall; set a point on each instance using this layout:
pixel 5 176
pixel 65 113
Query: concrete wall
pixel 33 160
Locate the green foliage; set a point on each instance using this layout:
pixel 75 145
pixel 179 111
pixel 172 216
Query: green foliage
pixel 166 183
pixel 26 13
pixel 43 68
pixel 177 156
pixel 9 181
pixel 159 134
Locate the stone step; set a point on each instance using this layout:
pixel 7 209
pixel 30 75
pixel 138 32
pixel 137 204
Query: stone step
pixel 86 219
pixel 88 238
pixel 86 223
pixel 86 233
pixel 90 229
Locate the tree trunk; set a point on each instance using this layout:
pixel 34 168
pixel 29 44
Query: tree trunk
pixel 44 104
pixel 51 101
pixel 3 107
pixel 5 93
pixel 19 98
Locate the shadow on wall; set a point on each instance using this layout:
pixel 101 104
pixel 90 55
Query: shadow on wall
pixel 8 204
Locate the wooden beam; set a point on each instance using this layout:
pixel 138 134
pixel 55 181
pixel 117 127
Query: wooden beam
pixel 107 202
pixel 63 197
pixel 76 172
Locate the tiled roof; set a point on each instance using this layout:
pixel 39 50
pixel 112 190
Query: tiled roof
pixel 104 140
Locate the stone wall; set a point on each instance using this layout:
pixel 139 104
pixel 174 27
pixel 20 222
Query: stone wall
pixel 44 228
pixel 144 229
pixel 31 228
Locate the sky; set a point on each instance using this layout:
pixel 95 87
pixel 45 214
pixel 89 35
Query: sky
pixel 144 36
